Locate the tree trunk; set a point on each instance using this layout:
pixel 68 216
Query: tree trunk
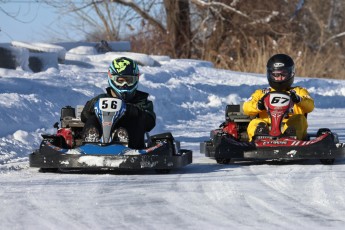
pixel 178 27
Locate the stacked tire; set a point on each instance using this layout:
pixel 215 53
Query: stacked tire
pixel 7 58
pixel 42 55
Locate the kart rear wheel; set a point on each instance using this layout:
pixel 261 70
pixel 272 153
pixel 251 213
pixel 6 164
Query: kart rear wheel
pixel 223 161
pixel 322 131
pixel 327 161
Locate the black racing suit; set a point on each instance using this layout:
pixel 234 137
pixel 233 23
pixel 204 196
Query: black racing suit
pixel 138 118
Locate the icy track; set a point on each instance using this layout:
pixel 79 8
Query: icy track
pixel 204 195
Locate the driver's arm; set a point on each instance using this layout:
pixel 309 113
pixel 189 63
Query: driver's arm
pixel 307 102
pixel 250 107
pixel 88 109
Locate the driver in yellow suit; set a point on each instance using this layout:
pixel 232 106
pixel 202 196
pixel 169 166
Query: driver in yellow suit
pixel 280 75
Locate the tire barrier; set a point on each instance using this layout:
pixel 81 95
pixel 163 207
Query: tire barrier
pixel 37 47
pixel 35 64
pixel 7 59
pixel 101 47
pixel 41 56
pixel 38 57
pixel 13 57
pixel 39 62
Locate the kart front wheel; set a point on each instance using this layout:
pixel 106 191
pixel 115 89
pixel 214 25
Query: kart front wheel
pixel 222 161
pixel 327 161
pixel 48 170
pixel 162 171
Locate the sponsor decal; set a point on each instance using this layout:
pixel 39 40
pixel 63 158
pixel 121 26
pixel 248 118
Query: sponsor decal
pixel 275 142
pixel 107 123
pixel 278 64
pixel 291 153
pixel 288 141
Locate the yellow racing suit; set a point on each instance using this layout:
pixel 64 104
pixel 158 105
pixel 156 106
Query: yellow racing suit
pixel 297 118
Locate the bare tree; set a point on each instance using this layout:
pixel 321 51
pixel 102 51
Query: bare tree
pixel 178 27
pixel 233 34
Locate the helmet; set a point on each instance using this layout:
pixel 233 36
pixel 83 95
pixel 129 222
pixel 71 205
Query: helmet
pixel 280 71
pixel 123 77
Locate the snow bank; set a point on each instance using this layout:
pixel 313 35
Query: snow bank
pixel 42 47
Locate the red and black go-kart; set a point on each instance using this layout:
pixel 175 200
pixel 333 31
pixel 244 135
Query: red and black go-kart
pixel 230 140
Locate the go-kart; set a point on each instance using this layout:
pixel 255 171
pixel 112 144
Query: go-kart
pixel 230 140
pixel 67 150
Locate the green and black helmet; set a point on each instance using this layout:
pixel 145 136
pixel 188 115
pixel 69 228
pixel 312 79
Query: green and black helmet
pixel 123 76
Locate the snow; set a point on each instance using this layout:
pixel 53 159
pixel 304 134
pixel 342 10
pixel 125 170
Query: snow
pixel 43 47
pixel 189 97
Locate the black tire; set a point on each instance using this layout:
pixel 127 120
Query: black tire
pixel 35 64
pixel 223 161
pixel 162 171
pixel 7 59
pixel 327 161
pixel 48 170
pixel 322 131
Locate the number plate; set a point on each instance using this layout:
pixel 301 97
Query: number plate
pixel 278 99
pixel 110 104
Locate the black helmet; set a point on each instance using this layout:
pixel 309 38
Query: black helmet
pixel 280 65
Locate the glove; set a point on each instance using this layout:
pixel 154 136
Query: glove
pixel 132 110
pixel 294 97
pixel 261 104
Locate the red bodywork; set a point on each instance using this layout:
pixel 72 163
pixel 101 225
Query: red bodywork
pixel 67 134
pixel 231 128
pixel 278 106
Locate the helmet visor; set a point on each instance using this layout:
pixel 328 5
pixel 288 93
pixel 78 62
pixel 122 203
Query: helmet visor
pixel 122 80
pixel 280 75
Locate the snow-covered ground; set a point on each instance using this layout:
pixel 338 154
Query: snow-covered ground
pixel 189 98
